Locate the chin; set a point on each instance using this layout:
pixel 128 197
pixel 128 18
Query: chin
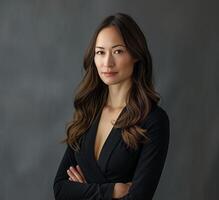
pixel 110 82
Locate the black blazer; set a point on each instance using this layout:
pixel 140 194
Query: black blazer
pixel 116 163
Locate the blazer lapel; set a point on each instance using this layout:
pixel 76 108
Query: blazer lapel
pixel 85 156
pixel 109 145
pixel 85 160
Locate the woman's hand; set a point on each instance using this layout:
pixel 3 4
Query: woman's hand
pixel 76 175
pixel 121 189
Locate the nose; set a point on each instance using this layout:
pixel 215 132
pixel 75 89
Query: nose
pixel 108 60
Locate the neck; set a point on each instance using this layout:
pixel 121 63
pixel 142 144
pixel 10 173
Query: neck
pixel 117 95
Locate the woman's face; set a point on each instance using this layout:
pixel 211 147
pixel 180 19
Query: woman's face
pixel 113 61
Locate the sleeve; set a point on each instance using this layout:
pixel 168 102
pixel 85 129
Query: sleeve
pixel 70 190
pixel 152 158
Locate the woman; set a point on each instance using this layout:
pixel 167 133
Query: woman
pixel 118 139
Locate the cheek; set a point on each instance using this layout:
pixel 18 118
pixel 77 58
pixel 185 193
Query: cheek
pixel 97 63
pixel 126 64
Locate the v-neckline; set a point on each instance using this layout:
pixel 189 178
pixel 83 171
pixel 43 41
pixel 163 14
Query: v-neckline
pixel 96 123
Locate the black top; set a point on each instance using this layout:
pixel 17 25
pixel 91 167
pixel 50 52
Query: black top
pixel 116 163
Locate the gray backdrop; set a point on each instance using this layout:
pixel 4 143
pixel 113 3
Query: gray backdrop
pixel 42 44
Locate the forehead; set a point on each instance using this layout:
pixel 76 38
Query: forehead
pixel 109 37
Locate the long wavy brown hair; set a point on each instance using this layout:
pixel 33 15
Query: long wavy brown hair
pixel 91 93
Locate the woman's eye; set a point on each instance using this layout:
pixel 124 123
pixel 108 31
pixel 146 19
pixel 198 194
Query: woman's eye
pixel 118 51
pixel 99 52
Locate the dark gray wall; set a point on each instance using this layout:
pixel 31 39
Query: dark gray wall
pixel 41 50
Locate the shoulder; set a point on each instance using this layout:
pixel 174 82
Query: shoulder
pixel 157 122
pixel 157 114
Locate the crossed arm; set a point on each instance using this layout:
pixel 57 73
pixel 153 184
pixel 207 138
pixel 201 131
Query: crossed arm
pixel 70 183
pixel 120 189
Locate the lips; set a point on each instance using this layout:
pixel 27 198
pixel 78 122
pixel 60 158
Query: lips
pixel 109 74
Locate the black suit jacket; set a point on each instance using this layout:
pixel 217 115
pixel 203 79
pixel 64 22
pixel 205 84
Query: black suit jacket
pixel 116 163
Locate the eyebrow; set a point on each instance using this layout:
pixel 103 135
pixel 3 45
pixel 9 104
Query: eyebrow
pixel 112 46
